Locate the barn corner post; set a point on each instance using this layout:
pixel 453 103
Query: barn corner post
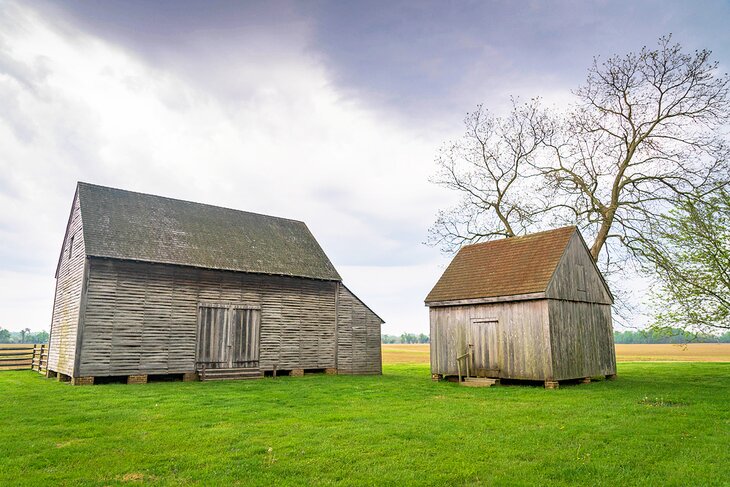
pixel 76 376
pixel 337 330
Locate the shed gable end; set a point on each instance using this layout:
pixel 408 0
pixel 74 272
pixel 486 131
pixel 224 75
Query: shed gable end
pixel 576 277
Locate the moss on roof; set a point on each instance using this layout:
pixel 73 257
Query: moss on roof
pixel 506 267
pixel 136 226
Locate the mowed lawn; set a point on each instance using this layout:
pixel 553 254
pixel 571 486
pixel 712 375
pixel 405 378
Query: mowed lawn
pixel 658 424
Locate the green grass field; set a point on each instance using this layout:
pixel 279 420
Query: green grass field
pixel 659 424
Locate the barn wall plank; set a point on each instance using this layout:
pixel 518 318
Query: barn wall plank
pixel 142 318
pixel 358 338
pixel 66 308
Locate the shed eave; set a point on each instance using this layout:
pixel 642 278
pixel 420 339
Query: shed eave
pixel 487 300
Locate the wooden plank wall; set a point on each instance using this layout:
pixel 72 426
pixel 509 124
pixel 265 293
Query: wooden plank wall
pixel 582 339
pixel 523 334
pixel 359 347
pixel 142 318
pixel 69 283
pixel 565 281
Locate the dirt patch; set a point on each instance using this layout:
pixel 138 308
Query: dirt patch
pixel 136 477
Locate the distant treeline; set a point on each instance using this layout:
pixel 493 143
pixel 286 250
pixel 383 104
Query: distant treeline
pixel 668 336
pixel 23 336
pixel 405 338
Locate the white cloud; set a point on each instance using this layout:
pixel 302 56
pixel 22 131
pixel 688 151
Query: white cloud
pixel 73 107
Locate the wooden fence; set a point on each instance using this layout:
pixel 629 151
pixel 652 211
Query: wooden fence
pixel 19 356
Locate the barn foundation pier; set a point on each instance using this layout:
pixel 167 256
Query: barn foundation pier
pixel 551 384
pixel 82 381
pixel 585 380
pixel 62 377
pixel 137 379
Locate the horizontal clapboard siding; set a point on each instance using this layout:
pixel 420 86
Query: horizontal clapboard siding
pixel 359 349
pixel 142 318
pixel 67 301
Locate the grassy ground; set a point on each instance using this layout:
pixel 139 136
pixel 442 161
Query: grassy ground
pixel 659 424
pixel 694 352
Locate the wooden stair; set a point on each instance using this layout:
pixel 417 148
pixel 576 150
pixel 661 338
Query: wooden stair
pixel 231 374
pixel 479 382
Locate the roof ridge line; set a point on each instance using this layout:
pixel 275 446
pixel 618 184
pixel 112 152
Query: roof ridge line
pixel 84 183
pixel 518 237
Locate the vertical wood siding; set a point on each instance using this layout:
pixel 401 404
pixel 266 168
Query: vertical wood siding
pixel 522 338
pixel 576 277
pixel 69 285
pixel 143 318
pixel 582 339
pixel 359 348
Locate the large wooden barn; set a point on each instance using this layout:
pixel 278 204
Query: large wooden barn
pixel 528 308
pixel 148 286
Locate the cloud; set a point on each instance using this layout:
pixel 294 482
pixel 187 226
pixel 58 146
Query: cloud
pixel 285 142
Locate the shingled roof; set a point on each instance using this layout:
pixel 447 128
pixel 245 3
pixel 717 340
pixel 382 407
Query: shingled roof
pixel 135 226
pixel 507 267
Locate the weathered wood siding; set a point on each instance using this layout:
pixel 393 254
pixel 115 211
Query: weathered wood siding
pixel 522 337
pixel 142 318
pixel 359 348
pixel 582 339
pixel 576 277
pixel 67 300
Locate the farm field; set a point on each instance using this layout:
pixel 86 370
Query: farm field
pixel 658 424
pixel 694 352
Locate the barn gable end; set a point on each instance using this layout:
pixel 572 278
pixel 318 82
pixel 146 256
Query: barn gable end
pixel 70 276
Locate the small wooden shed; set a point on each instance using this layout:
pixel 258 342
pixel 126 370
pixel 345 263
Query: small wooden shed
pixel 147 285
pixel 534 307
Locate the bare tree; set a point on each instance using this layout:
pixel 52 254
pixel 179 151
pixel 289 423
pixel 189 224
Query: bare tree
pixel 646 129
pixel 491 166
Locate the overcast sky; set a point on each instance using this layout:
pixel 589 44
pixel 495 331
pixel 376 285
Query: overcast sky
pixel 326 112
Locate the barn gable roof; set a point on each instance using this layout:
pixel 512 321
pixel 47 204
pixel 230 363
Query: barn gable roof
pixel 126 225
pixel 517 267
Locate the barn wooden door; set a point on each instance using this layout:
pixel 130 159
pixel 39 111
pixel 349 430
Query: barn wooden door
pixel 245 337
pixel 228 336
pixel 484 341
pixel 213 334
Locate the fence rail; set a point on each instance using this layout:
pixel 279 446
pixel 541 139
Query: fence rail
pixel 17 356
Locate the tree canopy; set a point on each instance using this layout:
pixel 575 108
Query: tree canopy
pixel 645 133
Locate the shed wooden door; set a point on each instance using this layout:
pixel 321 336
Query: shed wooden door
pixel 228 336
pixel 484 341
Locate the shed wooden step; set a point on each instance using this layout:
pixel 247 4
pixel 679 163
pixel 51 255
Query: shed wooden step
pixel 231 374
pixel 479 382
